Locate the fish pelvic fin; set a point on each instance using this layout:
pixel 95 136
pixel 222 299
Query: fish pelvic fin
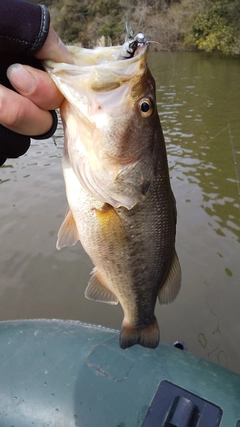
pixel 97 291
pixel 172 284
pixel 68 232
pixel 147 336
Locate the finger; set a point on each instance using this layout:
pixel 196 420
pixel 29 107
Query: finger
pixel 20 115
pixel 36 85
pixel 54 49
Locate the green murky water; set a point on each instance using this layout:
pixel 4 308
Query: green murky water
pixel 199 106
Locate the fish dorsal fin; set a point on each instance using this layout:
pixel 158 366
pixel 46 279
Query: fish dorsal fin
pixel 68 233
pixel 97 291
pixel 172 284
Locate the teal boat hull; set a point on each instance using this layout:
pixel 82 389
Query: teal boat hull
pixel 67 374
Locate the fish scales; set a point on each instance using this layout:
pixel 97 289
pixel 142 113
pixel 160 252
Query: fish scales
pixel 121 205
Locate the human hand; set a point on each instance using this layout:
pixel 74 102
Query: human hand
pixel 29 110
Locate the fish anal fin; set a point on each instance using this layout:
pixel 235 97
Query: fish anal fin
pixel 147 336
pixel 97 291
pixel 68 232
pixel 172 284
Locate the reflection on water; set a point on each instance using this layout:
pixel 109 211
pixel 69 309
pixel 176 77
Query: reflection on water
pixel 197 117
pixel 197 99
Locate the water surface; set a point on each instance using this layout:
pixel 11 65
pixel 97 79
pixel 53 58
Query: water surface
pixel 199 105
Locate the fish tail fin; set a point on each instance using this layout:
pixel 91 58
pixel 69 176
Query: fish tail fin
pixel 147 337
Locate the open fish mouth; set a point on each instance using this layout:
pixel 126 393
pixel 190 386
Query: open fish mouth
pixel 132 47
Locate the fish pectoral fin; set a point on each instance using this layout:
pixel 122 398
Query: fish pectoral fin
pixel 68 232
pixel 147 336
pixel 172 284
pixel 97 291
pixel 110 224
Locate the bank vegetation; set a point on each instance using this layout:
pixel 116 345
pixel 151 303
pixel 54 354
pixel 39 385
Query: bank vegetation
pixel 209 25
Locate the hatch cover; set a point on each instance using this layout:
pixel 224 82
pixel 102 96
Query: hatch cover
pixel 174 406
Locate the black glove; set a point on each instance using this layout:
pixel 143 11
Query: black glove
pixel 24 28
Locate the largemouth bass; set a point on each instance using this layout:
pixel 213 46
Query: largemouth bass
pixel 121 206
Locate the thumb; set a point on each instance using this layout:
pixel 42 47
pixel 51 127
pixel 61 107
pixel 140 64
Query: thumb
pixel 54 49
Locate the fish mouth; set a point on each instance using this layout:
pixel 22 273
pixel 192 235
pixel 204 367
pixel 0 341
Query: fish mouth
pixel 93 62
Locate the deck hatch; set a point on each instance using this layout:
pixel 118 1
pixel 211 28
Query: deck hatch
pixel 174 406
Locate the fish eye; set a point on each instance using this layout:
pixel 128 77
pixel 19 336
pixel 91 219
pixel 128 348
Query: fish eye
pixel 145 107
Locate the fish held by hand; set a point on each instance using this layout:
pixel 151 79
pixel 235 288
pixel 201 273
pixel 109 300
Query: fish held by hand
pixel 121 206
